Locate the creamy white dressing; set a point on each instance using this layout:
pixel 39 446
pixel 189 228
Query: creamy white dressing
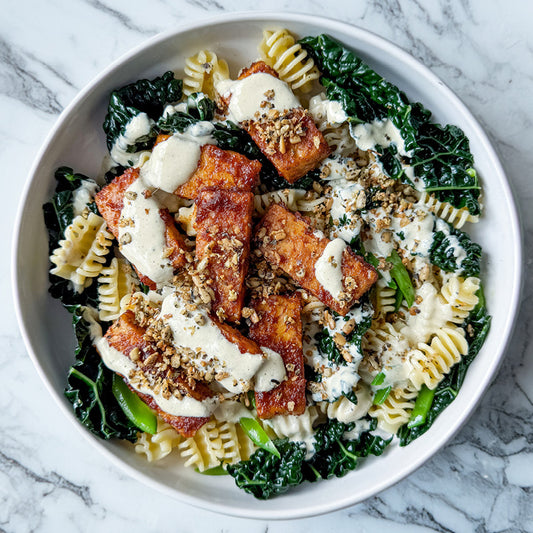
pixel 122 364
pixel 359 427
pixel 83 196
pixel 232 411
pixel 328 268
pixel 378 133
pixel 432 314
pixel 137 128
pixel 196 331
pixel 143 240
pixel 296 428
pixel 247 96
pixel 174 160
pixel 330 110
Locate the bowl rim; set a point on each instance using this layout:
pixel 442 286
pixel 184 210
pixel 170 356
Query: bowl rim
pixel 390 49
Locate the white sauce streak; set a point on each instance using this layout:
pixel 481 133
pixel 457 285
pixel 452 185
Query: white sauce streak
pixel 147 244
pixel 122 364
pixel 83 195
pixel 378 133
pixel 174 161
pixel 248 94
pixel 218 355
pixel 328 268
pixel 137 128
pixel 329 110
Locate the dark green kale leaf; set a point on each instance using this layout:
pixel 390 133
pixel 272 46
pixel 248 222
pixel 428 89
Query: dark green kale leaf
pixel 477 326
pixel 264 475
pixel 199 105
pixel 441 157
pixel 89 388
pixel 58 215
pixel 441 252
pixel 143 96
pixel 336 456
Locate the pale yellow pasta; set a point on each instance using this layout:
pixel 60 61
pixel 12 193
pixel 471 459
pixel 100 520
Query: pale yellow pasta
pixel 346 411
pixel 203 450
pixel 385 298
pixel 202 72
pixel 288 197
pixel 81 255
pixel 396 409
pixel 114 282
pixel 280 51
pixel 292 426
pixel 460 295
pixel 430 363
pixel 160 444
pixel 236 445
pixel 456 217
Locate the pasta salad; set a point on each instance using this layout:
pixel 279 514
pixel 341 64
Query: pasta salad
pixel 270 279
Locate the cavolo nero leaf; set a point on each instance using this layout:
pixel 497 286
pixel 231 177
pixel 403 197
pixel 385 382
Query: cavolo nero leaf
pixel 264 475
pixel 143 96
pixel 89 388
pixel 440 155
pixel 443 252
pixel 477 327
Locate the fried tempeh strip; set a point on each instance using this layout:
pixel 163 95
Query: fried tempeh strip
pixel 295 152
pixel 224 226
pixel 280 329
pixel 288 241
pixel 110 202
pixel 221 169
pixel 125 335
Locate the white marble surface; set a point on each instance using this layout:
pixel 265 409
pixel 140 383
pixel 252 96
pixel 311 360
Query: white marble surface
pixel 50 477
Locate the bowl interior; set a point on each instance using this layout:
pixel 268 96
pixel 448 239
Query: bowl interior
pixel 78 141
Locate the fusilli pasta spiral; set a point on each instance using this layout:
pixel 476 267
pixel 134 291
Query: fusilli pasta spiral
pixel 280 51
pixel 396 409
pixel 456 217
pixel 202 72
pixel 431 362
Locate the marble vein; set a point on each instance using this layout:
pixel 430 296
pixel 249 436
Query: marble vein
pixel 20 83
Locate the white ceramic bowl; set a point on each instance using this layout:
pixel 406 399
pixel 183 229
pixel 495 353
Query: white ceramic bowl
pixel 77 140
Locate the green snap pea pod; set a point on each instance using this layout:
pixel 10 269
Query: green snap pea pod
pixel 400 275
pixel 381 395
pixel 215 471
pixel 378 380
pixel 134 408
pixel 258 435
pixel 422 406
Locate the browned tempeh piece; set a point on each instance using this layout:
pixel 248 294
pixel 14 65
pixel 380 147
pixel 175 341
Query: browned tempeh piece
pixel 125 335
pixel 110 202
pixel 280 329
pixel 224 226
pixel 298 151
pixel 221 169
pixel 288 241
